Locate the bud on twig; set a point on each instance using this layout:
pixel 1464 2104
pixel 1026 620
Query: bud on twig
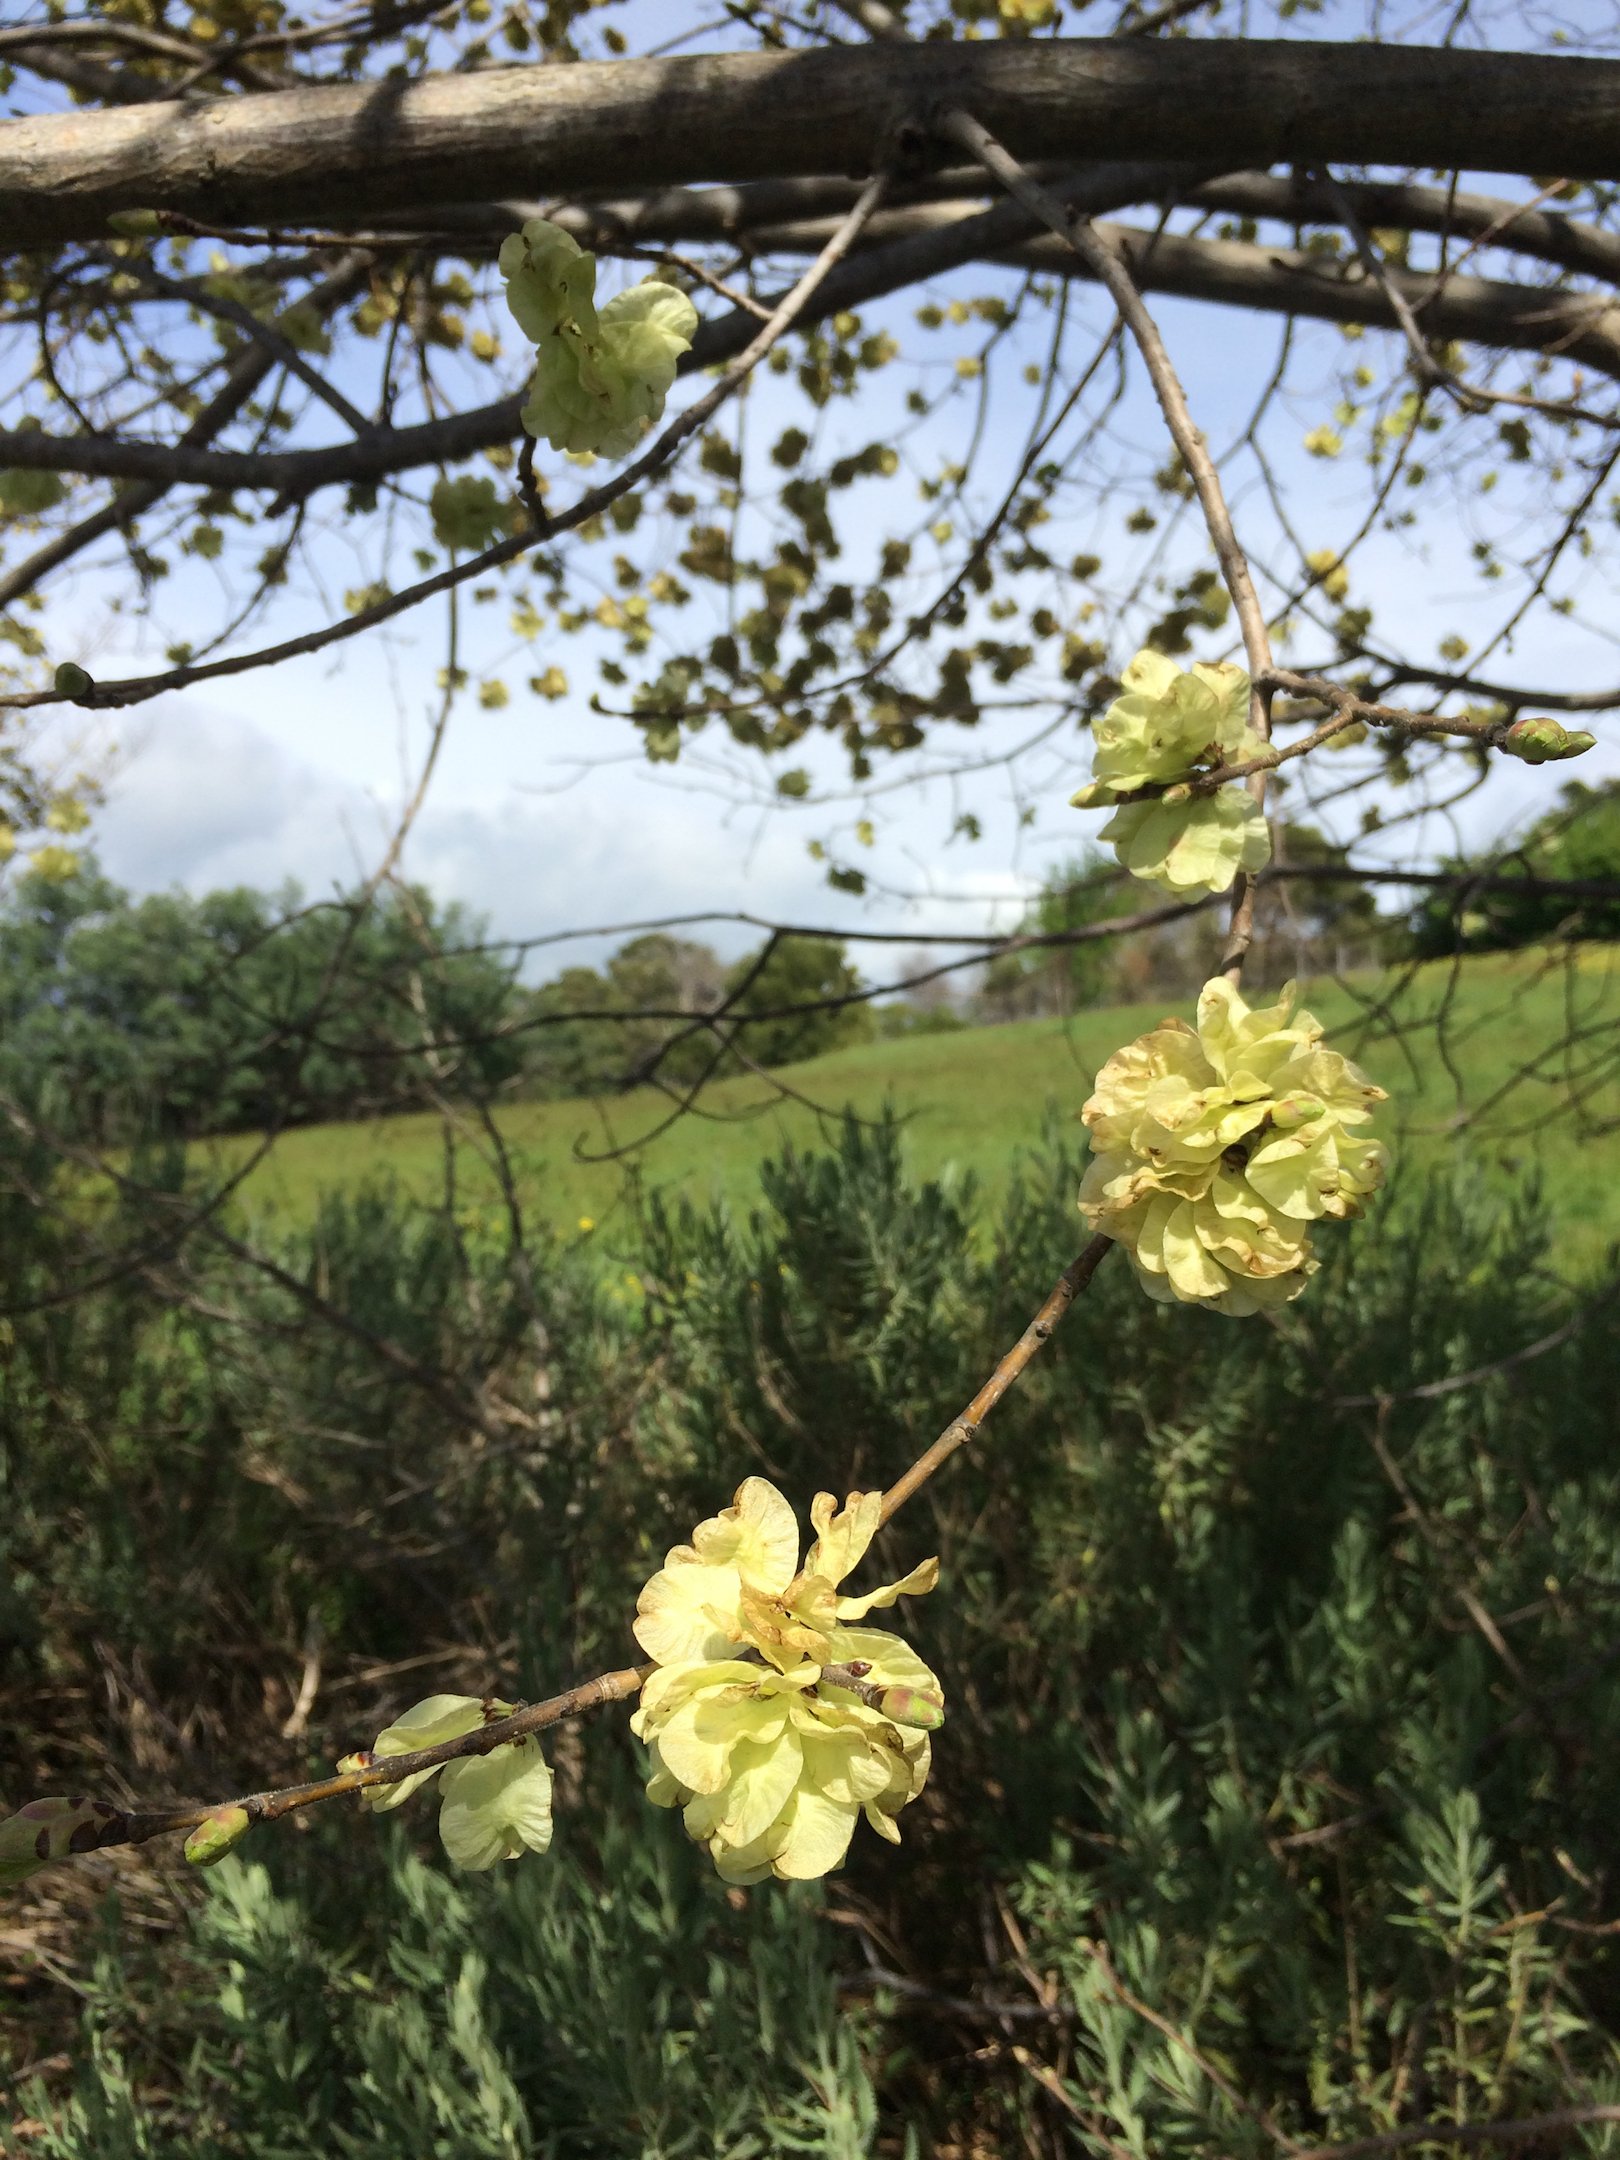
pixel 73 681
pixel 913 1706
pixel 216 1834
pixel 1542 741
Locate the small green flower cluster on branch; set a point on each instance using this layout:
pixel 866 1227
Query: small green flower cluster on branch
pixel 491 1807
pixel 601 375
pixel 1171 726
pixel 468 513
pixel 1215 1150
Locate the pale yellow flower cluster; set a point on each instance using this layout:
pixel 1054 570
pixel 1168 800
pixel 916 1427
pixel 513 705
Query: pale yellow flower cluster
pixel 491 1807
pixel 770 1759
pixel 601 375
pixel 1168 727
pixel 1216 1150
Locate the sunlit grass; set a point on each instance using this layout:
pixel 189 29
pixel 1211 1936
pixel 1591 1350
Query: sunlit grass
pixel 1495 1068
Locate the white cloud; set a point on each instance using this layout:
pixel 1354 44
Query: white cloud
pixel 201 798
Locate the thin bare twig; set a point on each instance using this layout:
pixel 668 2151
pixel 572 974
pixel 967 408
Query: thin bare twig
pixel 139 1827
pixel 1111 272
pixel 1075 1278
pixel 1432 1390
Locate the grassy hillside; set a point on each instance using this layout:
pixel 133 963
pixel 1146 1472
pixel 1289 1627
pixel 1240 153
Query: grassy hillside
pixel 1501 1065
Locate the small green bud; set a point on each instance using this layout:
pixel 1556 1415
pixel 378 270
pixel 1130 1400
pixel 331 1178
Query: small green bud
pixel 135 224
pixel 913 1706
pixel 1543 741
pixel 72 680
pixel 362 1759
pixel 216 1834
pixel 1181 792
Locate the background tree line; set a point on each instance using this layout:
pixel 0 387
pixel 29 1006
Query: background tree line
pixel 172 1016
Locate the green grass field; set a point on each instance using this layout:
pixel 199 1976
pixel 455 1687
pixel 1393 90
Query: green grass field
pixel 1505 1064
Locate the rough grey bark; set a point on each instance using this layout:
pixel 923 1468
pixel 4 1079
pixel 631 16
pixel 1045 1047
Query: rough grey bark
pixel 347 151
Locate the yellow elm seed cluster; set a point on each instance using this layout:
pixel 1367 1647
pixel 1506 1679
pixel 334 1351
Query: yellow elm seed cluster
pixel 1168 726
pixel 601 375
pixel 772 1762
pixel 1216 1148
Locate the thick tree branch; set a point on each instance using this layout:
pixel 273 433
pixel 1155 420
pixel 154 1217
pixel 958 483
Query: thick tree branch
pixel 921 242
pixel 347 150
pixel 1543 234
pixel 912 256
pixel 1580 326
pixel 745 215
pixel 1583 327
pixel 92 78
pixel 791 217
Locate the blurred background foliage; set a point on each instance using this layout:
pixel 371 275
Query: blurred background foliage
pixel 126 1020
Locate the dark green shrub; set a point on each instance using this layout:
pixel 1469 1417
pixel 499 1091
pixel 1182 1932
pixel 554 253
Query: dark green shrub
pixel 1282 1716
